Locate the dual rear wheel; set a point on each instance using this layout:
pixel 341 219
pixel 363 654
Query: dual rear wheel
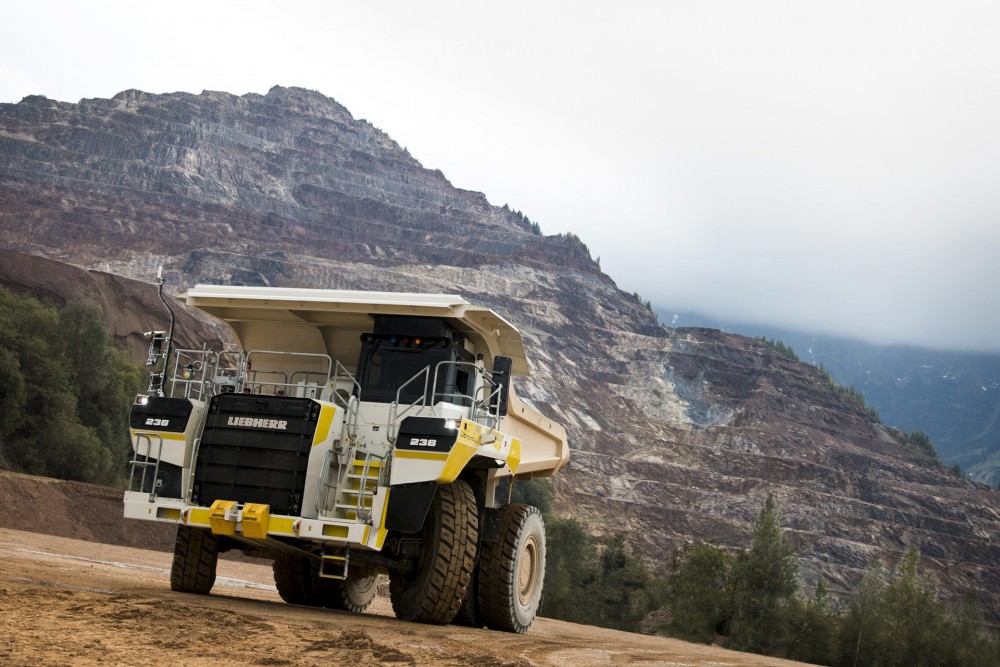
pixel 511 572
pixel 502 589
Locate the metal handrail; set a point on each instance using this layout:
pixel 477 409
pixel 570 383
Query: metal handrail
pixel 287 385
pixel 198 364
pixel 189 492
pixel 363 512
pixel 323 486
pixel 349 404
pixel 490 417
pixel 493 417
pixel 146 463
pixel 394 417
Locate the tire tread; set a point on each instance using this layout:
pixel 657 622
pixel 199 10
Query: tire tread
pixel 436 595
pixel 498 571
pixel 196 556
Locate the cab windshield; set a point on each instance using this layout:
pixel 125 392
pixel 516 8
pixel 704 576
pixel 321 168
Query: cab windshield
pixel 389 362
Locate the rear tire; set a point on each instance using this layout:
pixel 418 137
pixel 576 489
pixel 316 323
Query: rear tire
pixel 512 570
pixel 293 579
pixel 468 614
pixel 298 582
pixel 433 591
pixel 196 556
pixel 352 594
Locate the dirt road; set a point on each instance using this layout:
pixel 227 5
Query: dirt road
pixel 71 602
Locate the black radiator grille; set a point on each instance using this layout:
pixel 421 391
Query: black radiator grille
pixel 255 449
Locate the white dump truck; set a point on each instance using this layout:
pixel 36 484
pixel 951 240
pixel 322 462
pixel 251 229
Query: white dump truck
pixel 351 434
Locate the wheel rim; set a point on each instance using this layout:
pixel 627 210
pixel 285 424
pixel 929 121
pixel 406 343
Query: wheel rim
pixel 527 571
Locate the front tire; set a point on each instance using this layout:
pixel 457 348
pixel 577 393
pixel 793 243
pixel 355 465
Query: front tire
pixel 433 591
pixel 512 571
pixel 196 556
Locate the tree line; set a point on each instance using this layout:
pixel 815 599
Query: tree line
pixel 751 600
pixel 65 391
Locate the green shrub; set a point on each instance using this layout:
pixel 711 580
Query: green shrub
pixel 65 391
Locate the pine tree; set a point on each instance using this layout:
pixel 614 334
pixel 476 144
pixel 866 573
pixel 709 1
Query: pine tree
pixel 916 618
pixel 810 629
pixel 624 594
pixel 698 592
pixel 764 581
pixel 571 574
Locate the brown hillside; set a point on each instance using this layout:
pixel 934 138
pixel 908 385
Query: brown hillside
pixel 130 307
pixel 75 510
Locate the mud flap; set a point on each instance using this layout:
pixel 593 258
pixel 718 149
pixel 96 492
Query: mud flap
pixel 408 505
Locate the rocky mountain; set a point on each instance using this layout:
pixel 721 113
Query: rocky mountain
pixel 677 434
pixel 953 397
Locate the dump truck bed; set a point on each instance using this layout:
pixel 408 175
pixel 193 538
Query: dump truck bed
pixel 331 322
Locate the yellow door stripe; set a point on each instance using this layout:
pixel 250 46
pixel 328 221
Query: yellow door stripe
pixel 282 524
pixel 425 456
pixel 380 536
pixel 161 434
pixel 199 517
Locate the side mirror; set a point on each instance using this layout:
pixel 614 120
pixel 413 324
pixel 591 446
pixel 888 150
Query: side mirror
pixel 501 379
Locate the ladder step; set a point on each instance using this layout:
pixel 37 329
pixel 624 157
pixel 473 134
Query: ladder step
pixel 340 561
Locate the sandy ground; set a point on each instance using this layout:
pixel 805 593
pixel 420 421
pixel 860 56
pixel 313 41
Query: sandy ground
pixel 73 602
pixel 95 590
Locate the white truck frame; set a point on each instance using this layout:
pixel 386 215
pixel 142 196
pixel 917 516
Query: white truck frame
pixel 352 434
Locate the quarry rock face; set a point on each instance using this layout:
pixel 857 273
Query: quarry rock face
pixel 677 434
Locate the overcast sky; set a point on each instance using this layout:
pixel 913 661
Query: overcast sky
pixel 833 167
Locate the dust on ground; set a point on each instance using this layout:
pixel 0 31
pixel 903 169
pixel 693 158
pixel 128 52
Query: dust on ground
pixel 66 601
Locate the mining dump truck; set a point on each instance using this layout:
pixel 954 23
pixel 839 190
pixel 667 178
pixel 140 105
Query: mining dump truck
pixel 352 434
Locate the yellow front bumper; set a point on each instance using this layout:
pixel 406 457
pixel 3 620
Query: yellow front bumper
pixel 251 521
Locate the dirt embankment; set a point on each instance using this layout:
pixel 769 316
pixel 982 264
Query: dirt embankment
pixel 72 593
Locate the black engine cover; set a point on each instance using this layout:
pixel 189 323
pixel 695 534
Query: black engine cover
pixel 255 449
